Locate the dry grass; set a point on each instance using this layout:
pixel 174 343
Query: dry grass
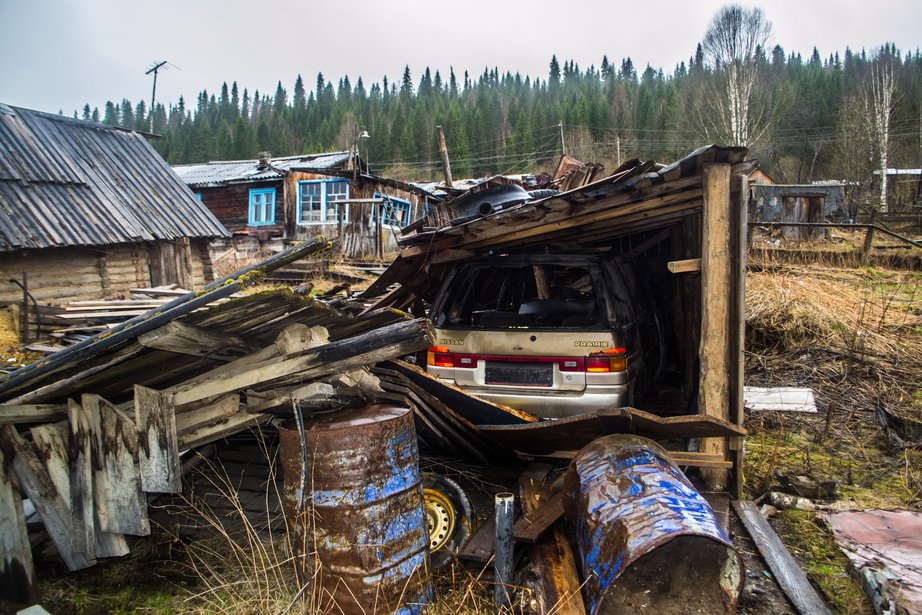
pixel 853 335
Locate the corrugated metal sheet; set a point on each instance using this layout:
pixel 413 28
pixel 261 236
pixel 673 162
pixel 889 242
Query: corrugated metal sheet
pixel 221 172
pixel 66 182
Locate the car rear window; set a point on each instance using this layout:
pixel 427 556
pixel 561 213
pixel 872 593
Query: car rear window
pixel 544 296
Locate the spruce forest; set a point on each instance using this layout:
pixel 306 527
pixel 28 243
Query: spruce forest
pixel 812 116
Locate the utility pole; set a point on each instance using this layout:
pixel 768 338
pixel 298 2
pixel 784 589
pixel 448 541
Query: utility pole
pixel 563 144
pixel 153 95
pixel 443 151
pixel 618 149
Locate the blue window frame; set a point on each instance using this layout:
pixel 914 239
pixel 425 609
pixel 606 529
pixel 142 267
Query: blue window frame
pixel 262 206
pixel 198 195
pixel 319 201
pixel 395 212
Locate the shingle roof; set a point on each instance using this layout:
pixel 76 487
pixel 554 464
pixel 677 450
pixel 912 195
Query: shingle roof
pixel 66 182
pixel 222 172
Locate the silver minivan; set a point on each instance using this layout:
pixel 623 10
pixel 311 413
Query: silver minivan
pixel 555 335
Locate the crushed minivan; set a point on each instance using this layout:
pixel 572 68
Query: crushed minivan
pixel 555 335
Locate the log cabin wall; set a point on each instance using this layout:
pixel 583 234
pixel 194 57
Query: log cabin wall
pixel 60 275
pixel 230 204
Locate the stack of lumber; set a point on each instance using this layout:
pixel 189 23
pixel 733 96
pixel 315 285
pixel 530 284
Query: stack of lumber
pixel 80 320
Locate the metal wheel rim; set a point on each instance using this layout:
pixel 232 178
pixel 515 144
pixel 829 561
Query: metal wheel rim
pixel 440 517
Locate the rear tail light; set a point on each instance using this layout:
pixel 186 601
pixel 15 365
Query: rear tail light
pixel 439 356
pixel 611 360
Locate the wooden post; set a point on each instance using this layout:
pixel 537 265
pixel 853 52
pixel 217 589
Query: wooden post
pixel 868 239
pixel 716 332
pixel 559 589
pixel 17 571
pixel 443 151
pixel 739 222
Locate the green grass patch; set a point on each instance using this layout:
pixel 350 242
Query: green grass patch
pixel 823 562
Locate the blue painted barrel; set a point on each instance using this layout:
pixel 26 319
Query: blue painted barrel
pixel 648 541
pixel 357 518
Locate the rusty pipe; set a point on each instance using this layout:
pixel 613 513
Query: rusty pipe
pixel 502 561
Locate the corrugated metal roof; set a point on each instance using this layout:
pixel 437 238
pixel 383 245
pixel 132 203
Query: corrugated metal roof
pixel 222 172
pixel 66 182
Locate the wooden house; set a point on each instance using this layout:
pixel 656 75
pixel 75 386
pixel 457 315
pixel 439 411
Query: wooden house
pixel 89 211
pixel 280 200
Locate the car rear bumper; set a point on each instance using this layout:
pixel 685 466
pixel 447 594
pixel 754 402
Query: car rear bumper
pixel 558 404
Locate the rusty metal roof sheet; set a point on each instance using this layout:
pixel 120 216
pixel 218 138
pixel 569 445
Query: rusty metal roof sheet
pixel 66 182
pixel 226 171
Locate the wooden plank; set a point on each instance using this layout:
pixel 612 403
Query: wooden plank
pixel 31 413
pixel 83 510
pixel 336 357
pixel 17 570
pixel 182 338
pixel 690 265
pixel 158 455
pixel 121 506
pixel 220 429
pixel 479 549
pixel 788 574
pixel 568 433
pixel 685 426
pixel 533 524
pixel 38 485
pixel 558 581
pixel 716 283
pixel 194 419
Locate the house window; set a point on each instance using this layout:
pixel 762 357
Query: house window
pixel 319 201
pixel 262 206
pixel 395 212
pixel 198 195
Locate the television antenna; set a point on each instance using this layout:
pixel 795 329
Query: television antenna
pixel 154 69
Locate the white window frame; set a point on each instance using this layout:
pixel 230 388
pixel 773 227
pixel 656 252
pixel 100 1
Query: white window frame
pixel 260 197
pixel 330 193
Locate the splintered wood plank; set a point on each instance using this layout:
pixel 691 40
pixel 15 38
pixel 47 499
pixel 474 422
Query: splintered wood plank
pixel 220 429
pixel 31 413
pixel 158 453
pixel 479 549
pixel 17 571
pixel 38 485
pixel 558 582
pixel 789 575
pixel 121 506
pixel 83 511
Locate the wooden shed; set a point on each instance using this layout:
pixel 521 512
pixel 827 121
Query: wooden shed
pixel 89 211
pixel 297 197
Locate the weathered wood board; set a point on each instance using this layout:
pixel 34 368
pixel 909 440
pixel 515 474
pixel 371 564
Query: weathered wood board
pixel 17 571
pixel 121 506
pixel 158 453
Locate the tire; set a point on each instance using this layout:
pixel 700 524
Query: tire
pixel 449 515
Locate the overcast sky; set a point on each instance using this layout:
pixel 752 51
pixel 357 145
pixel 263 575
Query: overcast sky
pixel 60 54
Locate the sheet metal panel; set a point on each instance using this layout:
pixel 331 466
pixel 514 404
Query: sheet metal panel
pixel 66 182
pixel 221 172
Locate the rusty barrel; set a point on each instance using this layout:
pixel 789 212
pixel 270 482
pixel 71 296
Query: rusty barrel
pixel 648 541
pixel 356 517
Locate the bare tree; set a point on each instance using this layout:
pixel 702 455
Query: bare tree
pixel 731 46
pixel 880 92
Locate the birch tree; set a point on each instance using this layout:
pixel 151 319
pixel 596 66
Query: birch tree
pixel 732 44
pixel 879 92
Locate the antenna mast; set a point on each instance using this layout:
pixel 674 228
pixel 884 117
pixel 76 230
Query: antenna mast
pixel 153 95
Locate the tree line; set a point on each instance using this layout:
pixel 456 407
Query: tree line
pixel 811 117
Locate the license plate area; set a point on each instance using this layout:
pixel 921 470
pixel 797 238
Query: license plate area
pixel 519 374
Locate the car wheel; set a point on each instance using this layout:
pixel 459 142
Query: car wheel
pixel 449 515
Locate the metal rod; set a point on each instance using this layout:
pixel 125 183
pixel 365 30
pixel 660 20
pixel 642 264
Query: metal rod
pixel 854 225
pixel 502 562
